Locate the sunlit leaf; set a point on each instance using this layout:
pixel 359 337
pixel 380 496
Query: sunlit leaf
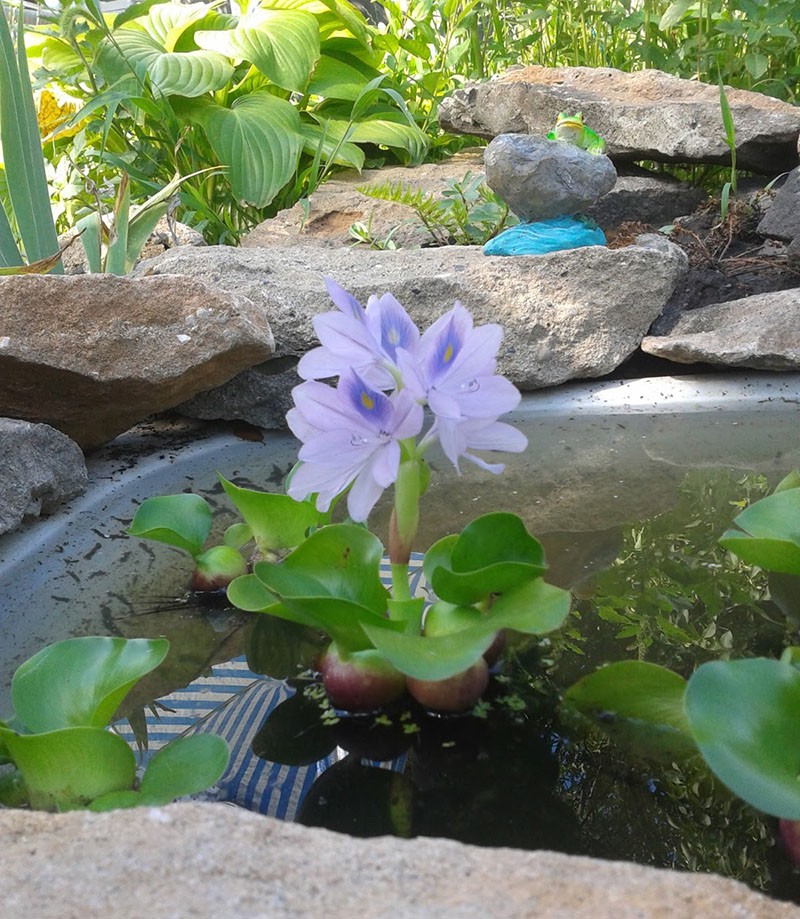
pixel 282 44
pixel 81 681
pixel 771 537
pixel 743 716
pixel 276 521
pixel 183 521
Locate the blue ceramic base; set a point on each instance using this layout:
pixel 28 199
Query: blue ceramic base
pixel 546 236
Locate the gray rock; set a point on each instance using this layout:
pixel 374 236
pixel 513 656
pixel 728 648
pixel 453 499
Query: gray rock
pixel 39 469
pixel 205 861
pixel 782 219
pixel 761 332
pixel 650 199
pixel 646 115
pixel 93 354
pixel 540 179
pixel 566 315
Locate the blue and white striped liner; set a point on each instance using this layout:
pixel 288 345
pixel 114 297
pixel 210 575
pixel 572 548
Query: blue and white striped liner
pixel 233 702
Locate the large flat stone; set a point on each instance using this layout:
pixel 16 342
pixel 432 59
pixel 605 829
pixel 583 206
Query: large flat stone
pixel 761 332
pixel 194 861
pixel 646 115
pixel 566 315
pixel 92 354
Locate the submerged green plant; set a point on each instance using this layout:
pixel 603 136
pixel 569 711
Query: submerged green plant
pixel 61 752
pixel 741 716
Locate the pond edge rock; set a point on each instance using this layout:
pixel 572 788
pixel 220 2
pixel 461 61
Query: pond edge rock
pixel 209 860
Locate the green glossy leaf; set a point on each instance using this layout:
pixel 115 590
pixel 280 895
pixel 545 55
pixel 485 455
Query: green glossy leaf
pixel 434 658
pixel 249 594
pixel 792 480
pixel 674 13
pixel 390 129
pixel 183 521
pixel 340 76
pixel 333 147
pixel 81 681
pixel 258 139
pixel 771 554
pixel 632 691
pixel 534 608
pixel 185 766
pixel 743 716
pixel 115 800
pixel 639 705
pixel 332 581
pixel 282 44
pixel 68 768
pixel 771 537
pixel 276 521
pixel 167 22
pixel 190 73
pixel 342 561
pixel 492 554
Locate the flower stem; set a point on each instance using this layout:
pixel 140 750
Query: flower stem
pixel 404 523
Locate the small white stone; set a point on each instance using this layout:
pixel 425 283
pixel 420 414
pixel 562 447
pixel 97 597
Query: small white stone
pixel 5 341
pixel 183 338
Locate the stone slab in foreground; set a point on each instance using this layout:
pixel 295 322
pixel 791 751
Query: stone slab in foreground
pixel 208 861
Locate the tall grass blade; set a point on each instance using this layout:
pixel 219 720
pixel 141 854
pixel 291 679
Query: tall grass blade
pixel 22 149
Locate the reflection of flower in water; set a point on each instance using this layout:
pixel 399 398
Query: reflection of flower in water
pixel 52 110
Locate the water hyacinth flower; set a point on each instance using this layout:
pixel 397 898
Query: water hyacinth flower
pixel 350 434
pixel 364 340
pixel 453 370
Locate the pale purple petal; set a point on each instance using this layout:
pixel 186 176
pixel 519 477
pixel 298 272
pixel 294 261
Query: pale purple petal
pixel 391 325
pixel 350 436
pixel 345 301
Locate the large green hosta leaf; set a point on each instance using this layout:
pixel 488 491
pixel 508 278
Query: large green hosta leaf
pixel 167 22
pixel 192 73
pixel 744 717
pixel 282 44
pixel 81 681
pixel 259 139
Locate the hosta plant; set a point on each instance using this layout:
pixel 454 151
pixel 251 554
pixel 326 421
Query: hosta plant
pixel 275 94
pixel 58 750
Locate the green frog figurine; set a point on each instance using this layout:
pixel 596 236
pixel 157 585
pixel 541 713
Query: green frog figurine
pixel 570 129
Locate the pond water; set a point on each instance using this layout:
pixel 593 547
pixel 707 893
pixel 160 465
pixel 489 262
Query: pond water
pixel 628 485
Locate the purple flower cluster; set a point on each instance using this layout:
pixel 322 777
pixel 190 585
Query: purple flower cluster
pixel 387 372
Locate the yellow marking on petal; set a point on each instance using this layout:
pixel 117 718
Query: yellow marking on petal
pixel 448 354
pixel 367 401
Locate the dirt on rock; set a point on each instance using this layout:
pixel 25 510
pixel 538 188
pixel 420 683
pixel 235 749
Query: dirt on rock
pixel 728 259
